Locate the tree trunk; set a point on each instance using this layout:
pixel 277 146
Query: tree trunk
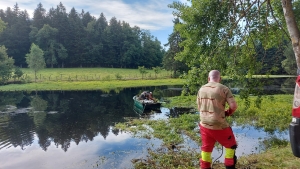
pixel 293 29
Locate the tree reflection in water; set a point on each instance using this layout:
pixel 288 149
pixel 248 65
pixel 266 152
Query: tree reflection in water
pixel 65 117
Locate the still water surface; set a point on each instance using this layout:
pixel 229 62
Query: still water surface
pixel 76 129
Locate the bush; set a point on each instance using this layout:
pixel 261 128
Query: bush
pixel 106 78
pixel 18 73
pixel 118 76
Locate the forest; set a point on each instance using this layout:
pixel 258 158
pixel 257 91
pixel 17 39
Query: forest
pixel 77 39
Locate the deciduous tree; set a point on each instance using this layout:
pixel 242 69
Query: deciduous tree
pixel 223 35
pixel 142 70
pixel 17 73
pixel 6 66
pixel 35 59
pixel 6 63
pixel 46 39
pixel 156 70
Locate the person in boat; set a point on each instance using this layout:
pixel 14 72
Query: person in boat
pixel 150 96
pixel 146 95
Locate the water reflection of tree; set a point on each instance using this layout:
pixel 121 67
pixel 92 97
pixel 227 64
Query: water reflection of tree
pixel 38 104
pixel 85 115
pixel 272 141
pixel 262 86
pixel 10 98
pixel 65 117
pixel 16 131
pixel 288 85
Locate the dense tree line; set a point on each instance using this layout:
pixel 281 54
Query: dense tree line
pixel 77 39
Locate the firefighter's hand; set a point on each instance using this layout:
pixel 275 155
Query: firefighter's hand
pixel 228 112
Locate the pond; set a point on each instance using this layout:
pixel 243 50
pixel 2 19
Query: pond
pixel 75 129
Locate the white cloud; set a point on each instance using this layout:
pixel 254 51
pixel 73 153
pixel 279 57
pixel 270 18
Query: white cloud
pixel 149 14
pixel 152 15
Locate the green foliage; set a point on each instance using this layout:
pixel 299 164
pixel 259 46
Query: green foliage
pixel 238 38
pixel 106 78
pixel 167 158
pixel 273 115
pixel 18 73
pixel 46 40
pixel 6 65
pixel 15 37
pixel 39 16
pixel 274 142
pixel 2 25
pixel 168 131
pixel 170 62
pixel 35 59
pixel 142 70
pixel 118 76
pixel 288 64
pixel 181 101
pixel 38 104
pixel 173 153
pixel 156 70
pixel 77 39
pixel 276 157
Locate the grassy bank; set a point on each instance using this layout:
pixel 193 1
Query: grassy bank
pixel 89 79
pixel 92 79
pixel 90 74
pixel 88 85
pixel 273 114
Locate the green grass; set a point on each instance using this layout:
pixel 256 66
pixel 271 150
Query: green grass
pixel 90 74
pixel 89 79
pixel 88 85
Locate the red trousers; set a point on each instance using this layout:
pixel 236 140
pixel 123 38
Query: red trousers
pixel 209 137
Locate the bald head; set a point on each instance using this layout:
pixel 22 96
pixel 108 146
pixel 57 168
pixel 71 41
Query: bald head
pixel 214 76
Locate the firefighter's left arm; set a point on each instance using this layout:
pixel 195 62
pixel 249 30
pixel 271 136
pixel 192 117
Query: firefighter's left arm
pixel 232 106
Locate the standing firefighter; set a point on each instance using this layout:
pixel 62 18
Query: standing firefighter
pixel 211 100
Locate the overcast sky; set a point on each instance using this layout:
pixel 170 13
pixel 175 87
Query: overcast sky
pixel 152 15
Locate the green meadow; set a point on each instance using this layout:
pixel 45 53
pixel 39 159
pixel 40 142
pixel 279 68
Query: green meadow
pixel 105 79
pixel 88 79
pixel 89 74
